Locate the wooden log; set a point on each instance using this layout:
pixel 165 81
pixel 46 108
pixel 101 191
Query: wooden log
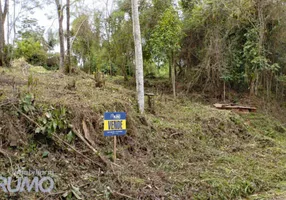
pixel 235 107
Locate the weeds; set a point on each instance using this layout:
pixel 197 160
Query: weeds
pixel 185 151
pixel 54 120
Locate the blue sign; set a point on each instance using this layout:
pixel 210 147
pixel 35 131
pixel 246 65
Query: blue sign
pixel 114 123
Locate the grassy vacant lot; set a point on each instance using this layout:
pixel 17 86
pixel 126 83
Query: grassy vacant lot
pixel 183 150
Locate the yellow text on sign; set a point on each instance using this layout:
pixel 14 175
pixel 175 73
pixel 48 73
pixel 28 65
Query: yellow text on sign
pixel 114 125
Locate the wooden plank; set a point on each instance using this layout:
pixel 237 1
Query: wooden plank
pixel 236 107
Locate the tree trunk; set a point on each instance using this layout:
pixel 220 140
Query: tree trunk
pixel 138 55
pixel 14 31
pixel 170 70
pixel 8 31
pixel 282 93
pixel 224 91
pixel 61 33
pixel 261 20
pixel 173 68
pixel 125 72
pixel 256 83
pixel 252 86
pixel 2 43
pixel 3 15
pixel 68 58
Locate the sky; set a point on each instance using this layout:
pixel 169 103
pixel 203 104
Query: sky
pixel 41 15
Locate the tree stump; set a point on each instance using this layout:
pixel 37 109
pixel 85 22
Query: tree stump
pixel 99 79
pixel 151 102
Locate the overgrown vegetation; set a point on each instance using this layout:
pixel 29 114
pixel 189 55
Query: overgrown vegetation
pixel 183 149
pixel 213 46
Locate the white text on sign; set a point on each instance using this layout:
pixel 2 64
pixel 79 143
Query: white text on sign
pixel 115 125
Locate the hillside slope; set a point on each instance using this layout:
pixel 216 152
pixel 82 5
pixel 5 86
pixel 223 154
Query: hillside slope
pixel 182 150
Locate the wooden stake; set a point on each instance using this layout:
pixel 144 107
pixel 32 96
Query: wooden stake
pixel 114 149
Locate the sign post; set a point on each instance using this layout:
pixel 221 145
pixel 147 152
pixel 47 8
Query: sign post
pixel 114 125
pixel 114 148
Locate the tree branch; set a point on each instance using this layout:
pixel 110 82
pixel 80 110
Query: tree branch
pixel 77 32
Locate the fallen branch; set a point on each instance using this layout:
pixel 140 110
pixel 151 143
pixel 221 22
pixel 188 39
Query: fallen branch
pixel 53 194
pixel 8 156
pixel 123 195
pixel 31 120
pixel 62 192
pixel 77 151
pixel 2 151
pixel 87 134
pixel 7 103
pixel 91 147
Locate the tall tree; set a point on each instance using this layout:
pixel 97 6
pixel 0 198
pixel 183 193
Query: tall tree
pixel 3 14
pixel 83 43
pixel 138 56
pixel 68 58
pixel 60 9
pixel 165 40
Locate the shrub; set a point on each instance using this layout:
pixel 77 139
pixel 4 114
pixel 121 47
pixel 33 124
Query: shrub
pixel 32 51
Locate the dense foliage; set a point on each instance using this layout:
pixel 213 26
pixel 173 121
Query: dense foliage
pixel 212 45
pixel 236 42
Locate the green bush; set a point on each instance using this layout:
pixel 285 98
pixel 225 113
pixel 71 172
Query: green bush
pixel 32 51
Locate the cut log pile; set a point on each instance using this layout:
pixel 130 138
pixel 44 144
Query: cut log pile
pixel 234 107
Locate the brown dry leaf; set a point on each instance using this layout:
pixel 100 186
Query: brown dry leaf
pixel 87 134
